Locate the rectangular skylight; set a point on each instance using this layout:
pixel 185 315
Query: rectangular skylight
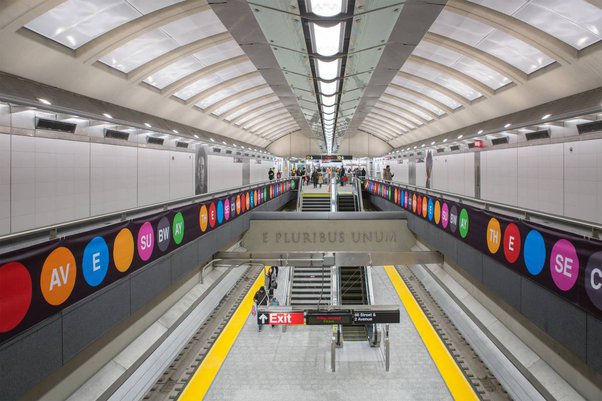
pixel 327 39
pixel 328 70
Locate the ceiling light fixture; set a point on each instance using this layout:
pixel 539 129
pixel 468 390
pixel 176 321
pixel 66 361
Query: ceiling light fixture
pixel 507 125
pixel 175 131
pixel 148 125
pixel 432 143
pixel 445 140
pixel 460 136
pixel 546 116
pixel 212 140
pixel 326 8
pixel 327 39
pixel 44 101
pixel 107 115
pixel 480 132
pixel 195 135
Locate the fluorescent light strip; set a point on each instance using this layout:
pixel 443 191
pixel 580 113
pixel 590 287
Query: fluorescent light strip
pixel 327 39
pixel 328 70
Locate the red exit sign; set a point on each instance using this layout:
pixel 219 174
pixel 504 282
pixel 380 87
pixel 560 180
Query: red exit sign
pixel 281 318
pixel 478 143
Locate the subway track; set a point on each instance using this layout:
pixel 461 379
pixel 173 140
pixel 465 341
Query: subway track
pixel 484 383
pixel 175 378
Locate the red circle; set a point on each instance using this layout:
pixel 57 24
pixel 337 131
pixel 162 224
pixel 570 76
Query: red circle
pixel 512 243
pixel 212 215
pixel 15 295
pixel 243 202
pixel 419 205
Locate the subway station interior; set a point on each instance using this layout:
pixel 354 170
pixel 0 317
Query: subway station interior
pixel 300 200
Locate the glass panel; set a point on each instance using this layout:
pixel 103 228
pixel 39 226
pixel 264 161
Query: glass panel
pixel 260 112
pixel 173 72
pixel 215 54
pixel 230 90
pixel 215 78
pixel 148 6
pixel 415 99
pixel 255 104
pixel 195 27
pixel 428 91
pixel 76 22
pixel 242 99
pixel 414 110
pixel 442 79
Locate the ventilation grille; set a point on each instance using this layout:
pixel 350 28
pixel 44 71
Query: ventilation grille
pixel 114 134
pixel 238 154
pixel 440 150
pixel 217 150
pixel 53 125
pixel 589 127
pixel 228 152
pixel 500 141
pixel 246 154
pixel 454 148
pixel 182 145
pixel 531 136
pixel 154 140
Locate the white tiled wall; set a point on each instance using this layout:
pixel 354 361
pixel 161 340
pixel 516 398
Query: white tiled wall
pixel 420 174
pixel 400 172
pixel 113 178
pixel 540 178
pixel 454 173
pixel 583 180
pixel 181 175
pixel 223 173
pixel 259 172
pixel 50 181
pixel 499 176
pixel 4 184
pixel 153 176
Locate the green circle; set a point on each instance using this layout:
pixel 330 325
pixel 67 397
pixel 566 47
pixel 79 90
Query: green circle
pixel 463 223
pixel 293 184
pixel 178 228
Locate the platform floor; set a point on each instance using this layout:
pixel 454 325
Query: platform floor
pixel 295 364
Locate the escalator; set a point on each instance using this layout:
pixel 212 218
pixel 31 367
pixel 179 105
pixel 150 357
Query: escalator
pixel 346 203
pixel 353 291
pixel 310 286
pixel 315 203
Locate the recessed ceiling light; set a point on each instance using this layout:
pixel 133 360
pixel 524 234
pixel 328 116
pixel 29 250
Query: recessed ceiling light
pixel 432 143
pixel 445 140
pixel 195 135
pixel 507 125
pixel 107 115
pixel 460 136
pixel 234 144
pixel 175 131
pixel 546 116
pixel 480 132
pixel 44 101
pixel 148 125
pixel 422 145
pixel 212 140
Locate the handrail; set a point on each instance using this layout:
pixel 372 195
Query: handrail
pixel 300 195
pixel 357 193
pixel 334 206
pixel 127 214
pixel 526 214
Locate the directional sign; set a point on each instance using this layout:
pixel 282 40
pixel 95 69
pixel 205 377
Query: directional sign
pixel 281 318
pixel 374 316
pixel 327 317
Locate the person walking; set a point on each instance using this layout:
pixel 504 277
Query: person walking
pixel 260 298
pixel 320 179
pixel 387 173
pixel 341 175
pixel 314 178
pixel 278 175
pixel 271 174
pixel 363 173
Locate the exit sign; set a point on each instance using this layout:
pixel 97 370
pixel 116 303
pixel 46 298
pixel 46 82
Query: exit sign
pixel 478 143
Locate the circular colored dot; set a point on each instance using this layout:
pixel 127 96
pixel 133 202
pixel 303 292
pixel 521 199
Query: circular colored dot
pixel 15 295
pixel 593 279
pixel 220 212
pixel 512 243
pixel 564 264
pixel 252 200
pixel 463 223
pixel 163 234
pixel 243 202
pixel 437 212
pixel 227 209
pixel 431 210
pixel 238 204
pixel 414 203
pixel 293 184
pixel 212 215
pixel 444 215
pixel 424 207
pixel 248 200
pixel 494 235
pixel 58 276
pixel 233 207
pixel 534 253
pixel 146 241
pixel 453 219
pixel 95 262
pixel 123 250
pixel 203 218
pixel 178 228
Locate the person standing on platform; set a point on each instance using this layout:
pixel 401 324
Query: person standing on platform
pixel 387 173
pixel 314 178
pixel 260 298
pixel 278 175
pixel 320 179
pixel 363 172
pixel 271 174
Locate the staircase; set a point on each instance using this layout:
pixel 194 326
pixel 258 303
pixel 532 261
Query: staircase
pixel 310 286
pixel 353 292
pixel 346 203
pixel 316 203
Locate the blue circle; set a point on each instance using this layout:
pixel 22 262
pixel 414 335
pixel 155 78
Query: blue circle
pixel 95 262
pixel 431 210
pixel 402 198
pixel 220 212
pixel 534 252
pixel 252 199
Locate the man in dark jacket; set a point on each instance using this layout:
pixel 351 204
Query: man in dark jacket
pixel 271 174
pixel 260 298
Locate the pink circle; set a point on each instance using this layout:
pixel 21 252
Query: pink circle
pixel 444 215
pixel 405 199
pixel 146 241
pixel 227 209
pixel 564 265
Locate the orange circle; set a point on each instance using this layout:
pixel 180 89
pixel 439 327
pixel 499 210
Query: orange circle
pixel 123 250
pixel 58 276
pixel 424 206
pixel 414 203
pixel 203 218
pixel 437 212
pixel 248 200
pixel 237 205
pixel 494 235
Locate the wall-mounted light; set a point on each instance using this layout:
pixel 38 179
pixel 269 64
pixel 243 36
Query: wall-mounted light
pixel 148 125
pixel 44 101
pixel 107 115
pixel 480 132
pixel 460 136
pixel 546 116
pixel 507 125
pixel 212 140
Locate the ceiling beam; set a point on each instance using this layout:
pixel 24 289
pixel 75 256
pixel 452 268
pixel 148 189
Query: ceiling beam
pixel 246 105
pixel 233 97
pixel 262 116
pixel 16 13
pixel 547 44
pixel 102 45
pixel 435 86
pixel 253 110
pixel 496 64
pixel 407 104
pixel 142 72
pixel 197 75
pixel 385 131
pixel 279 128
pixel 371 131
pixel 400 113
pixel 277 119
pixel 460 76
pixel 221 86
pixel 422 96
pixel 385 124
pixel 396 117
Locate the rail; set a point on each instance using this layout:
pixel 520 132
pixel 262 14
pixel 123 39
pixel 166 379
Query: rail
pixel 57 230
pixel 334 206
pixel 300 194
pixel 523 213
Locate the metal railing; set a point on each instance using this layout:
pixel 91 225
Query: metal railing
pixel 334 206
pixel 300 194
pixel 71 227
pixel 593 229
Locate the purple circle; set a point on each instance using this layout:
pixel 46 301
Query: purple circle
pixel 146 241
pixel 564 265
pixel 444 215
pixel 227 209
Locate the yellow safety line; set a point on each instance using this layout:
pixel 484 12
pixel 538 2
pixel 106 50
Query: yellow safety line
pixel 319 195
pixel 203 377
pixel 456 382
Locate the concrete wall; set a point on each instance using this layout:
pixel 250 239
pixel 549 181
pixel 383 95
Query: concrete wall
pixel 576 330
pixel 30 357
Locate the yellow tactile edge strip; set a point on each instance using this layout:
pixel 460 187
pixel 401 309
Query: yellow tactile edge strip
pixel 455 380
pixel 205 374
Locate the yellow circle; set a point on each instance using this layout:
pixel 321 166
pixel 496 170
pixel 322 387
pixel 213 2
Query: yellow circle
pixel 494 235
pixel 203 218
pixel 58 276
pixel 437 212
pixel 414 203
pixel 123 250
